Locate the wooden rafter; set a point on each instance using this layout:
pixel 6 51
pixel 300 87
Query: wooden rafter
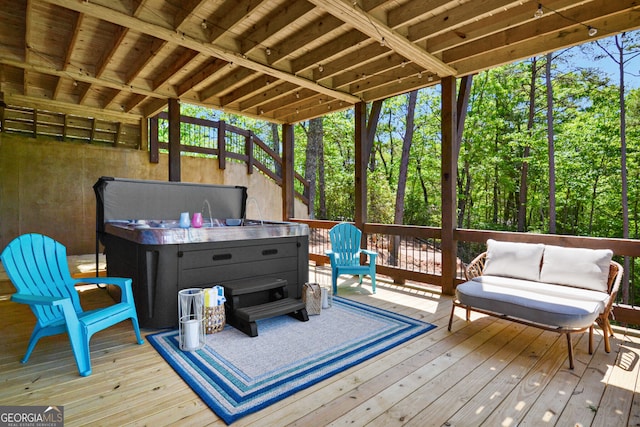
pixel 279 60
pixel 376 29
pixel 189 42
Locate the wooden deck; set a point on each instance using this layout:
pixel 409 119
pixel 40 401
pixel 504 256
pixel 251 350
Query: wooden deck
pixel 487 372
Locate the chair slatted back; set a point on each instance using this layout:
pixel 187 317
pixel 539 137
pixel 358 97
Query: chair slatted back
pixel 345 242
pixel 37 265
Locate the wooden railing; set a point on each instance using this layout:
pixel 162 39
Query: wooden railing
pixel 412 253
pixel 226 142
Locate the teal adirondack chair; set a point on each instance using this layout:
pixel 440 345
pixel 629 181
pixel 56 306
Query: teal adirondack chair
pixel 37 266
pixel 345 255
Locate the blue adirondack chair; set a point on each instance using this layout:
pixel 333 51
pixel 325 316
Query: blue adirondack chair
pixel 37 266
pixel 345 255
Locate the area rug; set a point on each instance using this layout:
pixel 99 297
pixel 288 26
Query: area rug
pixel 236 375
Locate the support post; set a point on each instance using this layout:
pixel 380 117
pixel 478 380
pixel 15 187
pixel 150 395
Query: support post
pixel 449 170
pixel 143 144
pixel 154 149
pixel 174 140
pixel 222 145
pixel 361 164
pixel 287 172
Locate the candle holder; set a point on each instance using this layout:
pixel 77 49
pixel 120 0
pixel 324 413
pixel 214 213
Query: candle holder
pixel 191 316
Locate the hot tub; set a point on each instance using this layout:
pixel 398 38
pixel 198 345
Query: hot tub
pixel 137 222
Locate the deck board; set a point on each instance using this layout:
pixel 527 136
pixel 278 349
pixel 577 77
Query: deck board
pixel 485 372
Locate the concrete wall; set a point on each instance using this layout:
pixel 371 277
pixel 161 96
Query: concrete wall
pixel 46 186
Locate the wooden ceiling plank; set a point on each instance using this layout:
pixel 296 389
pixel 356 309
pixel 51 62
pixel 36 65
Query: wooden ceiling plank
pixel 123 20
pixel 183 60
pixel 300 39
pixel 452 19
pixel 119 34
pixel 83 77
pixel 553 41
pixel 137 6
pixel 74 39
pixel 68 51
pixel 246 90
pixel 326 53
pixel 387 64
pixel 275 91
pixel 187 7
pixel 113 94
pixel 272 24
pixel 310 110
pixel 200 75
pixel 83 92
pixel 154 107
pixel 378 30
pixel 401 74
pixel 229 15
pixel 57 88
pixel 360 58
pixel 133 101
pixel 294 100
pixel 157 45
pixel 27 45
pixel 552 23
pixel 415 9
pixel 231 79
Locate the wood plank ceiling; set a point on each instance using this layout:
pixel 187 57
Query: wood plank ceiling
pixel 280 60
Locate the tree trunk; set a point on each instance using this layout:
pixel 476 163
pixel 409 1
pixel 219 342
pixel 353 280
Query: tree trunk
pixel 276 146
pixel 524 170
pixel 623 163
pixel 552 150
pixel 402 174
pixel 322 198
pixel 464 189
pixel 314 142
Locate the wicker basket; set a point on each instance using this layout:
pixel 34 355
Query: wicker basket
pixel 214 319
pixel 312 297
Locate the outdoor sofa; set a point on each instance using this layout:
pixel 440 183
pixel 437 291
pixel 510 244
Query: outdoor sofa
pixel 554 288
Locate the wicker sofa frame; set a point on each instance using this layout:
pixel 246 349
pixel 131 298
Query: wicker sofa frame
pixel 476 268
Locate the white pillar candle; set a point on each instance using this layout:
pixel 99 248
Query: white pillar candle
pixel 325 298
pixel 191 335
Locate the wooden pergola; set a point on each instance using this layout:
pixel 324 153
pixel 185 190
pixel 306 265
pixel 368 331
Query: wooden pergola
pixel 282 61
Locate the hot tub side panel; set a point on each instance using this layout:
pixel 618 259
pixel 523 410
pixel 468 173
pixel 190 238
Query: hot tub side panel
pixel 159 271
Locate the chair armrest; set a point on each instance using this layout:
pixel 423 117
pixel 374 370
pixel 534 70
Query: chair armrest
pixel 615 277
pixel 118 281
pixel 475 267
pixel 372 254
pixel 122 282
pixel 36 299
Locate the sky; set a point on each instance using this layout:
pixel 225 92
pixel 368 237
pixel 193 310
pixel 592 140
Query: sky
pixel 607 65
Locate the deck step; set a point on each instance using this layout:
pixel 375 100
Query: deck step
pixel 252 285
pixel 270 309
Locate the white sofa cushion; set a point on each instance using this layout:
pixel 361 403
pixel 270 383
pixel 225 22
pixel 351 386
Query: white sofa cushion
pixel 517 260
pixel 577 267
pixel 552 305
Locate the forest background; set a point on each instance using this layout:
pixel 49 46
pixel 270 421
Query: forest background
pixel 550 145
pixel 508 134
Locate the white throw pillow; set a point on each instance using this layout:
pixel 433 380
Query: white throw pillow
pixel 517 260
pixel 578 267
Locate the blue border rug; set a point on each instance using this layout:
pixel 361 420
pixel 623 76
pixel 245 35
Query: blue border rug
pixel 237 375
